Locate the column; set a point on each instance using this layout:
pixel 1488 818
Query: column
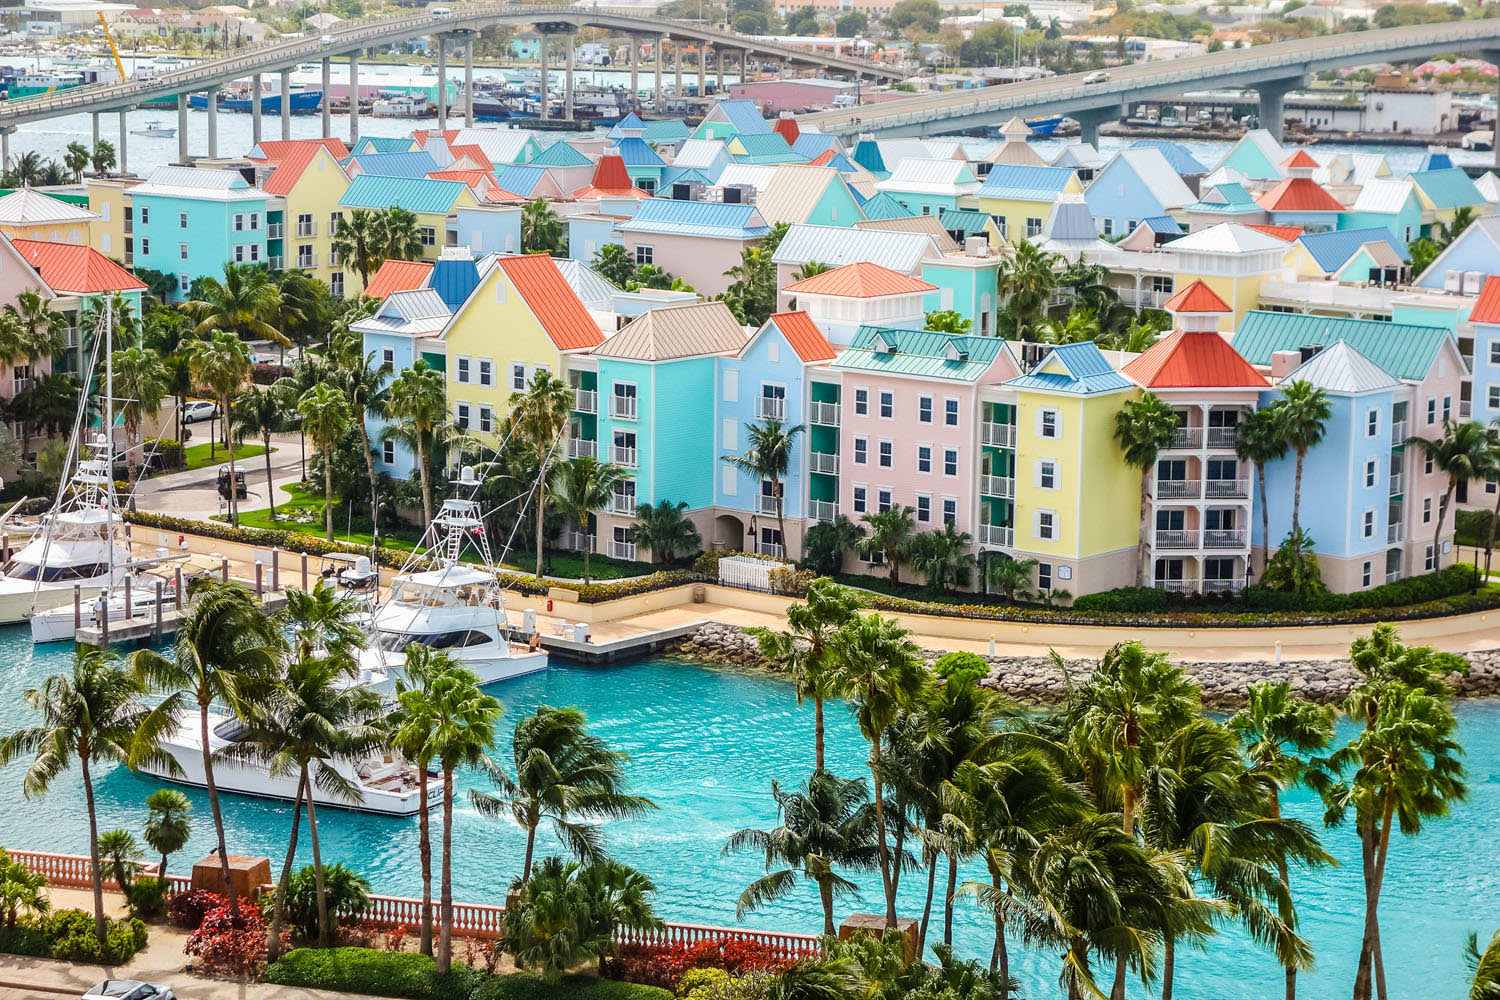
pixel 1272 96
pixel 568 77
pixel 182 110
pixel 702 70
pixel 95 117
pixel 658 53
pixel 286 104
pixel 255 99
pixel 327 100
pixel 442 88
pixel 546 97
pixel 719 76
pixel 353 98
pixel 124 132
pixel 677 69
pixel 213 123
pixel 1490 57
pixel 1089 122
pixel 635 73
pixel 469 83
pixel 5 131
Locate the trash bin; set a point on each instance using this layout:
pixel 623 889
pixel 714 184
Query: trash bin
pixel 528 621
pixel 581 632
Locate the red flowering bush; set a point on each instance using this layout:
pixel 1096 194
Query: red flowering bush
pixel 186 909
pixel 484 955
pixel 664 964
pixel 361 934
pixel 230 945
pixel 396 940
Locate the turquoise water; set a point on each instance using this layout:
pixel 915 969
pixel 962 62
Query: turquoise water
pixel 706 744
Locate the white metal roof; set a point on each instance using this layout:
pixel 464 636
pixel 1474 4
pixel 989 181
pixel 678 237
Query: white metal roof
pixel 837 246
pixel 27 208
pixel 1489 186
pixel 1227 237
pixel 1340 368
pixel 198 182
pixel 919 175
pixel 416 312
pixel 1382 196
pixel 756 175
pixel 699 153
pixel 502 146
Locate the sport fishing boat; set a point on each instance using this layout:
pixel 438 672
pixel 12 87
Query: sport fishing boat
pixel 155 130
pixel 124 603
pixel 448 596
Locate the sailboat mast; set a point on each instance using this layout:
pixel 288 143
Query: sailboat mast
pixel 109 438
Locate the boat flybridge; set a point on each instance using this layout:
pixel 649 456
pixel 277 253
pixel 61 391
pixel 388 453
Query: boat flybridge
pixel 448 596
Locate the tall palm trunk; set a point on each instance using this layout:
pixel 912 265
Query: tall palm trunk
pixel 541 502
pixel 1362 974
pixel 312 829
pixel 882 850
pixel 1382 852
pixel 273 941
pixel 1117 988
pixel 930 858
pixel 1168 964
pixel 817 733
pixel 1143 543
pixel 328 492
pixel 101 929
pixel 270 477
pixel 588 549
pixel 780 520
pixel 1273 810
pixel 445 931
pixel 425 472
pixel 1296 510
pixel 825 895
pixel 1265 515
pixel 1489 547
pixel 948 898
pixel 530 848
pixel 213 805
pixel 234 486
pixel 1443 505
pixel 364 435
pixel 424 850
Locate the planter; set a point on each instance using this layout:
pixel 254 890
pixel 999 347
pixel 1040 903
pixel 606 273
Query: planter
pixel 559 594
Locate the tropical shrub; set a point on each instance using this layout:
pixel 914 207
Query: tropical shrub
pixel 716 984
pixel 265 374
pixel 567 913
pixel 521 986
pixel 790 581
pixel 1131 599
pixel 961 664
pixel 665 965
pixel 347 893
pixel 147 897
pixel 363 970
pixel 1472 527
pixel 1293 568
pixel 230 945
pixel 187 909
pixel 169 453
pixel 70 938
pixel 21 890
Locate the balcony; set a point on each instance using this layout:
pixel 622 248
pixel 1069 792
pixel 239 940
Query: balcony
pixel 70 336
pixel 582 448
pixel 275 230
pixel 306 260
pixel 1217 586
pixel 1398 433
pixel 578 541
pixel 20 385
pixel 765 504
pixel 622 407
pixel 1465 406
pixel 1003 487
pixel 823 414
pixel 621 455
pixel 1177 489
pixel 1187 437
pixel 585 401
pixel 770 408
pixel 1000 535
pixel 276 262
pixel 1176 540
pixel 823 463
pixel 622 550
pixel 997 435
pixel 1233 488
pixel 305 229
pixel 1394 533
pixel 1178 586
pixel 1222 437
pixel 1224 538
pixel 822 510
pixel 1398 483
pixel 333 258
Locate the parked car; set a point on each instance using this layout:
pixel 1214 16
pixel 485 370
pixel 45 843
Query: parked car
pixel 239 483
pixel 1097 76
pixel 442 13
pixel 130 989
pixel 199 409
pixel 327 40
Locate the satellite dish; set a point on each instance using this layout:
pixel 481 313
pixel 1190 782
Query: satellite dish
pixel 466 476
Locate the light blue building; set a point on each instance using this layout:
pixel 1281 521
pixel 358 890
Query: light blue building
pixel 644 165
pixel 1486 319
pixel 1137 184
pixel 415 163
pixel 394 334
pixel 489 228
pixel 1393 204
pixel 1465 263
pixel 588 233
pixel 190 222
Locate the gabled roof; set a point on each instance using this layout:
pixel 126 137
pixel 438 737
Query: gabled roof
pixel 500 145
pixel 203 183
pixel 373 144
pixel 836 246
pixel 1488 185
pixel 700 153
pixel 610 181
pixel 937 177
pixel 398 275
pixel 592 288
pixel 1299 159
pixel 1076 155
pixel 1487 306
pixel 1383 196
pixel 1164 225
pixel 419 312
pixel 414 164
pixel 1405 350
pixel 696 218
pixel 1333 248
pixel 860 280
pixel 742 114
pixel 1080 369
pixel 1287 234
pixel 637 152
pixel 1340 368
pixel 668 130
pixel 1199 359
pixel 418 194
pixel 803 335
pixel 520 179
pixel 795 191
pixel 1153 169
pixel 786 127
pixel 1021 183
pixel 815 144
pixel 1069 229
pixel 884 206
pixel 966 221
pixel 291 158
pixel 27 207
pixel 1182 161
pixel 74 269
pixel 926 225
pixel 552 301
pixel 1228 237
pixel 1229 198
pixel 767 148
pixel 951 357
pixel 560 154
pixel 1299 194
pixel 1449 188
pixel 1197 298
pixel 673 332
pixel 1256 155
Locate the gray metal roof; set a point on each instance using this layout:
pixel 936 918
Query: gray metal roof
pixel 836 246
pixel 1340 368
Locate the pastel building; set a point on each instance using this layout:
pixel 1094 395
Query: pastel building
pixel 189 222
pixel 1467 262
pixel 1228 202
pixel 1139 183
pixel 305 182
pixel 1021 197
pixel 1485 318
pixel 435 204
pixel 1232 260
pixel 929 187
pixel 692 240
pixel 1443 193
pixel 844 299
pixel 29 214
pixel 1298 200
pixel 1392 204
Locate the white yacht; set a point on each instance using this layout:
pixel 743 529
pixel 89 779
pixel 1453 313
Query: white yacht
pixel 387 784
pixel 442 600
pixel 60 624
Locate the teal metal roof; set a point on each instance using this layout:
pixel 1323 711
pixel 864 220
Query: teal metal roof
pixel 1449 188
pixel 769 147
pixel 1405 350
pixel 418 194
pixel 1080 369
pixel 407 164
pixel 382 144
pixel 1236 200
pixel 968 222
pixel 920 352
pixel 560 154
pixel 882 205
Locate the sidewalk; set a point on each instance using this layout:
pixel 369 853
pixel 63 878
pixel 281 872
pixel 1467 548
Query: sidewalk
pixel 195 493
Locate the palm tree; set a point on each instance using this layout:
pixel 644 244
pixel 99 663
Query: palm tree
pixel 260 412
pixel 325 419
pixel 76 159
pixel 565 776
pixel 1011 577
pixel 614 263
pixel 1143 427
pixel 769 456
pixel 244 303
pixel 222 364
pixel 21 889
pixel 1463 453
pixel 826 824
pixel 168 332
pixel 102 157
pixel 400 236
pixel 943 557
pixel 419 407
pixel 92 714
pixel 891 535
pixel 1485 967
pixel 1463 218
pixel 541 229
pixel 140 386
pixel 581 486
pixel 169 824
pixel 1303 416
pixel 40 331
pixel 224 644
pixel 118 852
pixel 358 241
pixel 323 622
pixel 1259 441
pixel 51 403
pixel 1079 325
pixel 538 415
pixel 363 382
pixel 1027 280
pixel 664 530
pixel 802 650
pixel 879 670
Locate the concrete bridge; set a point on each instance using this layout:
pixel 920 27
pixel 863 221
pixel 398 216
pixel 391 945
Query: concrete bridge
pixel 455 31
pixel 1270 70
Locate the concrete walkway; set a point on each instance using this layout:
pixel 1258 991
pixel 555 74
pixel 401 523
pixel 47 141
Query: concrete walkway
pixel 195 493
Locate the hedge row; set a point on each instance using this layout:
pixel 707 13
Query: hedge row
pixel 68 935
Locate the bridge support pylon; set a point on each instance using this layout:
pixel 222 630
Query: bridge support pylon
pixel 327 99
pixel 286 105
pixel 124 131
pixel 635 72
pixel 546 98
pixel 353 98
pixel 1089 122
pixel 255 99
pixel 442 87
pixel 677 70
pixel 5 131
pixel 182 145
pixel 1272 96
pixel 658 53
pixel 568 77
pixel 213 123
pixel 469 83
pixel 1492 56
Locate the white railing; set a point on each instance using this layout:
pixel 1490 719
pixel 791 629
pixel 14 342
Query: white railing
pixel 1177 489
pixel 1177 539
pixel 333 258
pixel 1178 586
pixel 585 401
pixel 578 541
pixel 1217 586
pixel 823 414
pixel 1227 487
pixel 622 550
pixel 1224 538
pixel 1398 432
pixel 622 503
pixel 823 462
pixel 770 408
pixel 1222 437
pixel 1398 483
pixel 622 407
pixel 773 549
pixel 1187 437
pixel 997 435
pixel 582 448
pixel 1394 533
pixel 275 230
pixel 306 228
pixel 276 261
pixel 622 456
pixel 307 260
pixel 765 504
pixel 1002 535
pixel 1465 407
pixel 822 510
pixel 1003 487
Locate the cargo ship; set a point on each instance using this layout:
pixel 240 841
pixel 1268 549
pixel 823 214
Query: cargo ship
pixel 304 102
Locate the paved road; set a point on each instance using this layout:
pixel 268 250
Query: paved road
pixel 195 493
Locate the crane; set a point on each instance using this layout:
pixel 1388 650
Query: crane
pixel 110 39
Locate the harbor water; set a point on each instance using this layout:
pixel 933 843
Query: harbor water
pixel 706 744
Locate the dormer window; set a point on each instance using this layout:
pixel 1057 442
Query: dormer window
pixel 955 353
pixel 882 346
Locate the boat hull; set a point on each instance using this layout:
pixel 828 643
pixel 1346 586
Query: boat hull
pixel 304 102
pixel 15 605
pixel 490 669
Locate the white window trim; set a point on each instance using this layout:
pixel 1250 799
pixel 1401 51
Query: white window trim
pixel 930 453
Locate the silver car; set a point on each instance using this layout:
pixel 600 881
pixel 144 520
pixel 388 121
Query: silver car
pixel 130 989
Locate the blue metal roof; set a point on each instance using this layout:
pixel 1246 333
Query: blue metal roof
pixel 657 130
pixel 1164 224
pixel 882 205
pixel 382 144
pixel 638 153
pixel 696 218
pixel 867 155
pixel 684 175
pixel 811 144
pixel 839 162
pixel 1177 155
pixel 745 117
pixel 1333 248
pixel 453 278
pixel 1022 183
pixel 520 179
pixel 1449 188
pixel 419 194
pixel 1079 368
pixel 411 164
pixel 1436 159
pixel 560 154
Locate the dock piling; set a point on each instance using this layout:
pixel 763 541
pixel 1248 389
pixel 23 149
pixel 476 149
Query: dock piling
pixel 224 568
pixel 157 634
pixel 103 622
pixel 177 595
pixel 77 607
pixel 260 575
pixel 4 548
pixel 129 607
pixel 304 571
pixel 275 568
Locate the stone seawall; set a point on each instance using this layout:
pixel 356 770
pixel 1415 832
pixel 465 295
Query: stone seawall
pixel 1037 679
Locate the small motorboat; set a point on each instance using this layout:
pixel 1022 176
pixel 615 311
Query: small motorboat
pixel 155 130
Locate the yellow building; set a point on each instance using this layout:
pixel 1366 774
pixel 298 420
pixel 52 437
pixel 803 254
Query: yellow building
pixel 28 214
pixel 1231 259
pixel 1077 510
pixel 109 199
pixel 1021 198
pixel 433 202
pixel 305 185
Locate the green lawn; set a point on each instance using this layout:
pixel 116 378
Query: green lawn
pixel 198 457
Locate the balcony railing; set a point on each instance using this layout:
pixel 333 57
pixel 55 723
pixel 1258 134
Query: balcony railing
pixel 1465 407
pixel 623 456
pixel 1178 586
pixel 582 448
pixel 1177 539
pixel 765 504
pixel 622 407
pixel 1398 432
pixel 578 541
pixel 1002 535
pixel 622 550
pixel 1218 586
pixel 1394 533
pixel 307 260
pixel 823 462
pixel 1178 489
pixel 275 230
pixel 1187 437
pixel 307 229
pixel 1227 487
pixel 773 549
pixel 1003 487
pixel 823 414
pixel 622 503
pixel 333 258
pixel 585 401
pixel 1222 437
pixel 276 262
pixel 770 408
pixel 1224 538
pixel 822 510
pixel 997 435
pixel 1398 483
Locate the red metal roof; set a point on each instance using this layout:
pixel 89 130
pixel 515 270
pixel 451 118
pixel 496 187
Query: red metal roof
pixel 291 157
pixel 1288 233
pixel 1299 159
pixel 1197 298
pixel 499 194
pixel 787 129
pixel 474 153
pixel 823 158
pixel 398 276
pixel 476 179
pixel 1187 360
pixel 611 179
pixel 552 301
pixel 76 270
pixel 860 280
pixel 804 336
pixel 1487 307
pixel 1299 194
